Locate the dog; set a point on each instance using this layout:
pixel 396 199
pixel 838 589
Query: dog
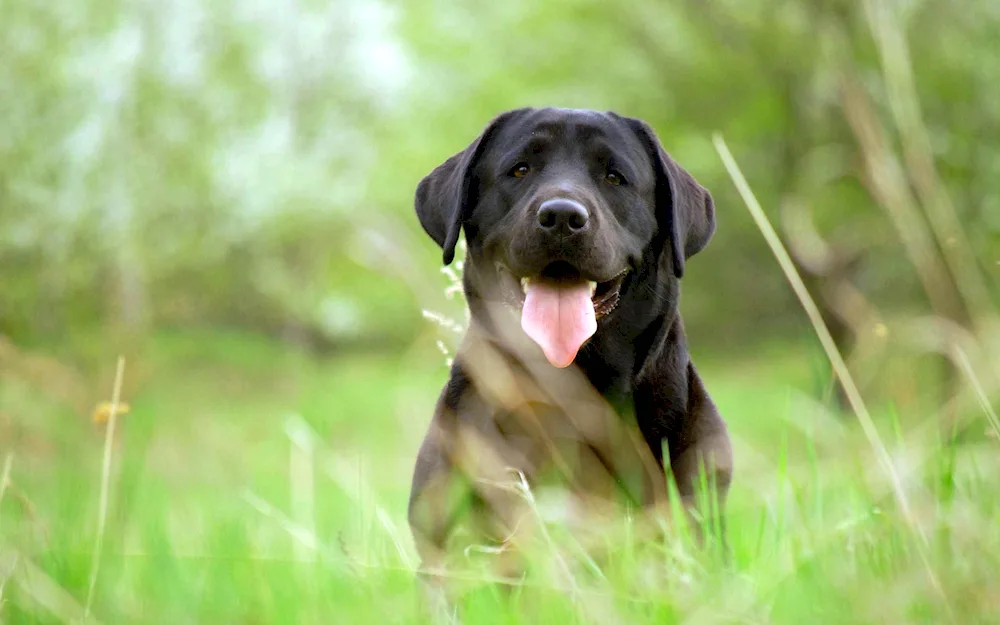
pixel 578 227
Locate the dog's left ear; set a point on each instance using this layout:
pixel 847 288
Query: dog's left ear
pixel 446 195
pixel 684 208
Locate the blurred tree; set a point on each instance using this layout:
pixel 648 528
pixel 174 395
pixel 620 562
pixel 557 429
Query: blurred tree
pixel 191 162
pixel 249 163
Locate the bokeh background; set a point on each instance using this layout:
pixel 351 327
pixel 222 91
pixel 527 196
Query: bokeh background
pixel 221 192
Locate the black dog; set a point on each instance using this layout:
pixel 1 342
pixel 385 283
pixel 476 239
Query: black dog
pixel 578 226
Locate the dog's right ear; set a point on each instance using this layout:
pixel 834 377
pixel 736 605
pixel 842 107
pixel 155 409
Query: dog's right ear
pixel 446 195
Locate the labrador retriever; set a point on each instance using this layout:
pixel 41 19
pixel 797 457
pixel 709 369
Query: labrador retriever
pixel 578 227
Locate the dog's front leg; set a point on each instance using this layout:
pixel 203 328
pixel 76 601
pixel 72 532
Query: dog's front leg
pixel 697 441
pixel 701 460
pixel 466 474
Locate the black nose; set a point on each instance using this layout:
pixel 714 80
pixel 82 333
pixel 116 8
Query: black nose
pixel 562 216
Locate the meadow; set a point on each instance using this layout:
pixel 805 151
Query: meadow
pixel 252 482
pixel 215 373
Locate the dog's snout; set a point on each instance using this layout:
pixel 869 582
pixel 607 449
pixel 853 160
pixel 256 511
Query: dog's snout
pixel 561 216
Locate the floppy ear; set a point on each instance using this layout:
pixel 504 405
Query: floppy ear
pixel 446 195
pixel 684 208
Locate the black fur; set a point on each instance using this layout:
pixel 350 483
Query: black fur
pixel 646 219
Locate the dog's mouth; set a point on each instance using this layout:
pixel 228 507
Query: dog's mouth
pixel 560 308
pixel 603 295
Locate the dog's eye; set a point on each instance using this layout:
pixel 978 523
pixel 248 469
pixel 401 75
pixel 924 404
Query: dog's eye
pixel 615 178
pixel 520 170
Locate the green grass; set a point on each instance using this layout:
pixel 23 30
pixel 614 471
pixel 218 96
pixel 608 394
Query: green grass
pixel 212 518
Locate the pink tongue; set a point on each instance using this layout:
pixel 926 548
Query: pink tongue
pixel 559 316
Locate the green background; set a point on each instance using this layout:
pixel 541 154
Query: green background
pixel 221 192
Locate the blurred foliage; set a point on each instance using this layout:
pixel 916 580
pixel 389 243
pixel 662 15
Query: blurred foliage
pixel 253 164
pixel 204 173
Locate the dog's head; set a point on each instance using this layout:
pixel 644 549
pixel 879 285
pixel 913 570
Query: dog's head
pixel 560 207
